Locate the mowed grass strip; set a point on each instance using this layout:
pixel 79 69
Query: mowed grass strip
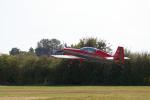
pixel 74 93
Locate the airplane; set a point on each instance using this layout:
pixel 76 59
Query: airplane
pixel 92 54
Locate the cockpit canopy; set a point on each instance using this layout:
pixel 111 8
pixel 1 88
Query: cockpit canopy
pixel 89 49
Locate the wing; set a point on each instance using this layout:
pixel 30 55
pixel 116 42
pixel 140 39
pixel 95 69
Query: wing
pixel 112 58
pixel 67 56
pixel 126 58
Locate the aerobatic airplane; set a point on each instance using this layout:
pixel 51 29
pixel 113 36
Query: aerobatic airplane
pixel 92 54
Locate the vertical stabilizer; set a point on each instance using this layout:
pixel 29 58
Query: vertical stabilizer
pixel 119 55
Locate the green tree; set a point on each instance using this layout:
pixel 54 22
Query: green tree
pixel 31 51
pixel 9 70
pixel 93 42
pixel 14 51
pixel 47 46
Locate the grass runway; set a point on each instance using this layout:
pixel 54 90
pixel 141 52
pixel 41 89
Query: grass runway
pixel 74 92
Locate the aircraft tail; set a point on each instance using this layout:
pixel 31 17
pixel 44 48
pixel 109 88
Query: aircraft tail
pixel 119 55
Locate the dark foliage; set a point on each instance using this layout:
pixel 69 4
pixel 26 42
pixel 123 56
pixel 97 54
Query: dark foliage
pixel 30 69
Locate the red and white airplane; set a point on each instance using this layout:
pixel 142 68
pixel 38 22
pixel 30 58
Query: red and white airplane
pixel 92 54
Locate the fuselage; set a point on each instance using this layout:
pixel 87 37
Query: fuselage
pixel 88 53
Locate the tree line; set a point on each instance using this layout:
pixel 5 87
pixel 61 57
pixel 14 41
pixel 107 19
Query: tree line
pixel 36 67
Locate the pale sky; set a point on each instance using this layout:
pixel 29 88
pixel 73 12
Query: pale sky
pixel 120 22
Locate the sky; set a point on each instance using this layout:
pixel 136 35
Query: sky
pixel 120 22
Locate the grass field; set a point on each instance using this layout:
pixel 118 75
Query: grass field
pixel 74 93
